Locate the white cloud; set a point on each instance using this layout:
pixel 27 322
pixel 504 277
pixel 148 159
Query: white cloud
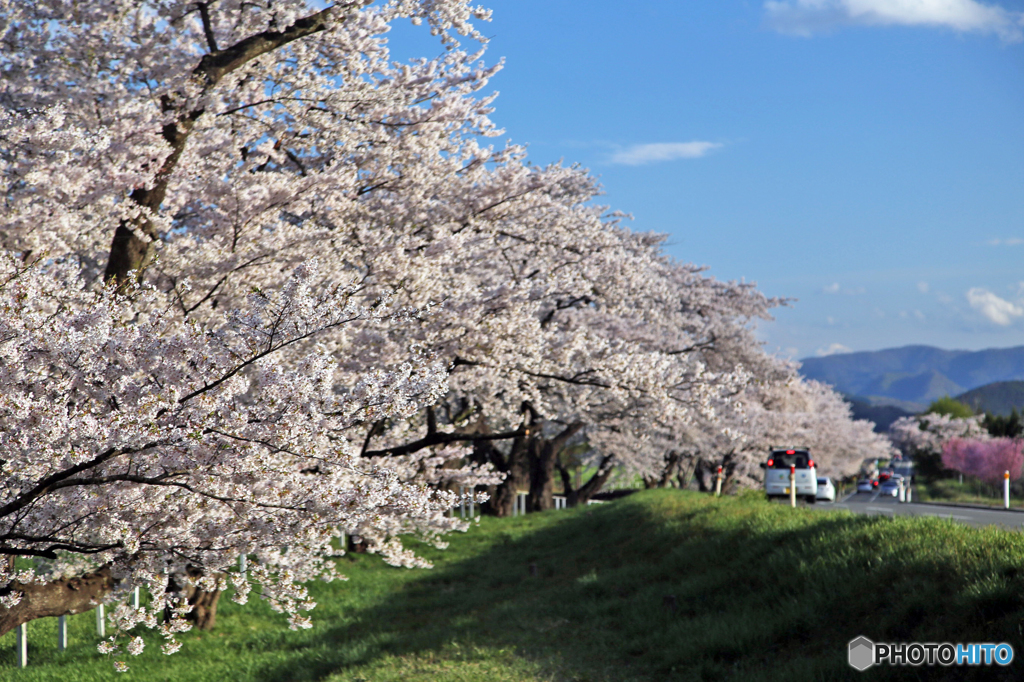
pixel 995 309
pixel 804 17
pixel 834 288
pixel 832 350
pixel 1009 241
pixel 640 154
pixel 922 287
pixel 919 315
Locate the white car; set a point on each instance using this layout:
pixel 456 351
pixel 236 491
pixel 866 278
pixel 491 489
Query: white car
pixel 826 491
pixel 891 487
pixel 776 475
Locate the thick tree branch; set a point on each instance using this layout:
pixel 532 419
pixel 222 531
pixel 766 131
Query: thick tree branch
pixel 50 482
pixel 442 439
pixel 204 13
pixel 132 247
pixel 57 598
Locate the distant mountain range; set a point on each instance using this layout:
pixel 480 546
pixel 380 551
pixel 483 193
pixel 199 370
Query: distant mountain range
pixel 998 398
pixel 915 374
pixel 884 385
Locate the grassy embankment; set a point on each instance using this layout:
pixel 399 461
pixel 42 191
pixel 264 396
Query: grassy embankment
pixel 969 492
pixel 762 592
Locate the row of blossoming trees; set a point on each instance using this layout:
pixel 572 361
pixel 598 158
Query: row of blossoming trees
pixel 961 444
pixel 261 285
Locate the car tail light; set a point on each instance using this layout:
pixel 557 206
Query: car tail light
pixel 790 452
pixel 811 464
pixel 771 462
pixel 874 482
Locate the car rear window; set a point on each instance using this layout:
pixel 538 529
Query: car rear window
pixel 823 481
pixel 780 460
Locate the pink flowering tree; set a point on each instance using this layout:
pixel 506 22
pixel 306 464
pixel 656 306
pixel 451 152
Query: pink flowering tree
pixel 986 460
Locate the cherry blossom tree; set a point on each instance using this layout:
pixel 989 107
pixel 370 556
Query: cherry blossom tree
pixel 142 437
pixel 312 277
pixel 986 460
pixel 928 433
pixel 138 448
pixel 775 409
pixel 234 141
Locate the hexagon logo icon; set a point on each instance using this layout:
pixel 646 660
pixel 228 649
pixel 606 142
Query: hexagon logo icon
pixel 862 653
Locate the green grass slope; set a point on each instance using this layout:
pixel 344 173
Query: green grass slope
pixel 761 592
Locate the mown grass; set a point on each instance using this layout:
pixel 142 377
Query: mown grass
pixel 968 492
pixel 761 592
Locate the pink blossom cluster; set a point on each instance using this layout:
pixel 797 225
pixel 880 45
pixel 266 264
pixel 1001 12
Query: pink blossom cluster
pixel 987 460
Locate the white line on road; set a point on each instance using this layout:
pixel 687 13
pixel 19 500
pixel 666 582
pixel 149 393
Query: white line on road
pixel 887 510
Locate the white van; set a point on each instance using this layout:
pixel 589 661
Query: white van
pixel 776 473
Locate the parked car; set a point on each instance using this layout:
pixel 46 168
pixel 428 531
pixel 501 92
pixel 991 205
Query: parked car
pixel 826 491
pixel 866 485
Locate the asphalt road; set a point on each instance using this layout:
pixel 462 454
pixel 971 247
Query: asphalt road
pixel 872 503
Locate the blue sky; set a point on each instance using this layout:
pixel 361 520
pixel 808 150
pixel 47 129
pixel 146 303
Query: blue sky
pixel 865 157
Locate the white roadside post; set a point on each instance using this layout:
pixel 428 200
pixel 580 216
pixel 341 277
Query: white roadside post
pixel 21 644
pixel 243 561
pixel 903 493
pixel 1006 489
pixel 472 502
pixel 101 621
pixel 62 633
pixel 718 483
pixel 462 501
pixel 792 485
pixel 135 597
pixel 910 494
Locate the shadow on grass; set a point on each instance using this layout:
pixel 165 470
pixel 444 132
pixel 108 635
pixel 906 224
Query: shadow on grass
pixel 669 585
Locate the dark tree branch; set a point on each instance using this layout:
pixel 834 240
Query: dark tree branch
pixel 442 439
pixel 132 247
pixel 204 13
pixel 51 481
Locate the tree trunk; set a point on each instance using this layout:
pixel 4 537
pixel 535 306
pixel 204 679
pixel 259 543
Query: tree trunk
pixel 204 608
pixel 704 475
pixel 668 472
pixel 543 458
pixel 542 474
pixel 57 598
pixel 517 478
pixel 204 602
pixel 582 495
pixel 596 482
